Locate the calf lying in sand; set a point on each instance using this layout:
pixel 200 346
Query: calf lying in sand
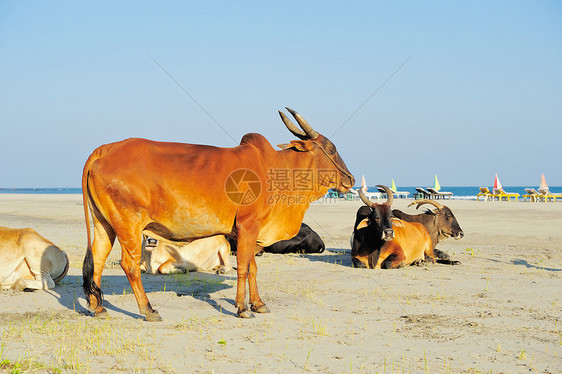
pixel 29 261
pixel 207 254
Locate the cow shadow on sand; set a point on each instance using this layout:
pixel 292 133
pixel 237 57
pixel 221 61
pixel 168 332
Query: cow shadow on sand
pixel 520 262
pixel 335 256
pixel 531 266
pixel 200 286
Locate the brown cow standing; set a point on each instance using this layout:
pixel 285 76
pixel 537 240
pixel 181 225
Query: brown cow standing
pixel 183 192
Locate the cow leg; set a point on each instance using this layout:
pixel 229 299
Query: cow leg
pixel 28 279
pixel 360 262
pixel 393 257
pixel 443 258
pixel 104 237
pixel 394 261
pixel 429 254
pixel 247 238
pixel 36 268
pixel 169 267
pixel 224 258
pixel 257 304
pixel 440 255
pixel 41 283
pixel 131 248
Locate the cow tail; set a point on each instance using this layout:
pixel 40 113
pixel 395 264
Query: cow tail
pixel 89 286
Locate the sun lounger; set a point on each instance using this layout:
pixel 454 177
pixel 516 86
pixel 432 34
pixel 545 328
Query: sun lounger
pixel 546 195
pixel 395 193
pixel 532 194
pixel 500 194
pixel 354 195
pixel 422 193
pixel 439 195
pixel 373 195
pixel 485 193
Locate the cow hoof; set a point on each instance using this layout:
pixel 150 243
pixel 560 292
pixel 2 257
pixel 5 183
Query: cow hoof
pixel 153 317
pixel 441 255
pixel 102 314
pixel 261 309
pixel 357 263
pixel 245 314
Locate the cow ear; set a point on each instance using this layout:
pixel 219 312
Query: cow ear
pixel 397 222
pixel 364 223
pixel 299 145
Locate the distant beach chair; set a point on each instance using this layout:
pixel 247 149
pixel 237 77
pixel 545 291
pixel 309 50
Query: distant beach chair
pixel 439 195
pixel 373 195
pixel 332 194
pixel 545 194
pixel 485 193
pixel 399 194
pixel 351 195
pixel 532 194
pixel 422 193
pixel 503 195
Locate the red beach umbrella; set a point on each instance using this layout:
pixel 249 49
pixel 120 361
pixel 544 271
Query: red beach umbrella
pixel 543 186
pixel 497 184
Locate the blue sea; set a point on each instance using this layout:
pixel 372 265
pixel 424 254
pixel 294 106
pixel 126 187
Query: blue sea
pixel 48 191
pixel 458 192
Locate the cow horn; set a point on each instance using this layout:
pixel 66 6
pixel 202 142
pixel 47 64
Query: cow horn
pixel 292 128
pixel 425 201
pixel 303 124
pixel 389 195
pixel 365 199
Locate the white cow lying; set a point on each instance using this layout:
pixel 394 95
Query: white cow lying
pixel 29 261
pixel 207 254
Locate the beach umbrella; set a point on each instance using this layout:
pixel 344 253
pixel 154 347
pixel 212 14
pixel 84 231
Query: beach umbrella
pixel 436 185
pixel 363 184
pixel 497 184
pixel 543 186
pixel 393 186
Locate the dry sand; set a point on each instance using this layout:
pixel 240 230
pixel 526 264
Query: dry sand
pixel 499 311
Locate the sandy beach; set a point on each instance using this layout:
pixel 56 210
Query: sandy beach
pixel 499 311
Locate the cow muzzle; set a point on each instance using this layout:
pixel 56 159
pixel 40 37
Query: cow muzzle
pixel 388 235
pixel 347 181
pixel 460 235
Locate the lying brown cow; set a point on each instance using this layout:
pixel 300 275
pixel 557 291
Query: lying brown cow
pixel 207 254
pixel 440 223
pixel 381 241
pixel 29 261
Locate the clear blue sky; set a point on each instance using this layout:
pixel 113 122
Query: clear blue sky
pixel 482 92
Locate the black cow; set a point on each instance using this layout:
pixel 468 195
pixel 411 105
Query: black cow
pixel 307 241
pixel 373 227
